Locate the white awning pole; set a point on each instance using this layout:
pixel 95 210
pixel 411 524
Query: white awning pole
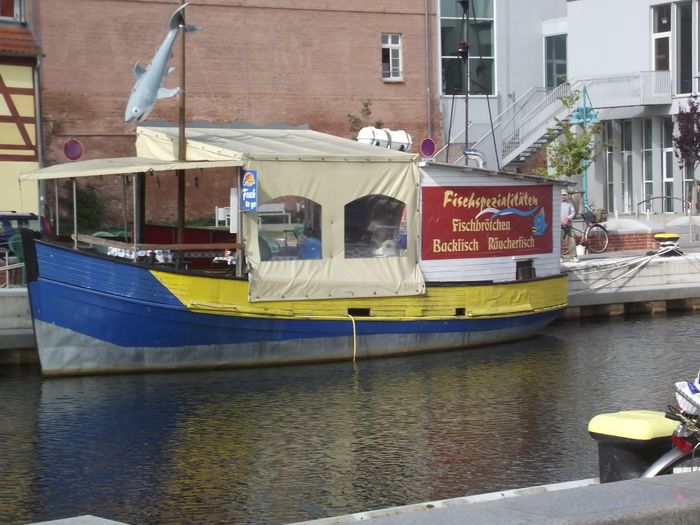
pixel 75 214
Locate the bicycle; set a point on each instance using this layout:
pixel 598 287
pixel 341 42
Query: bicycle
pixel 594 236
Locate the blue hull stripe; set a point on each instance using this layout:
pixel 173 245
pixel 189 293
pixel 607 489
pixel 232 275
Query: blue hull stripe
pixel 114 277
pixel 126 305
pixel 135 323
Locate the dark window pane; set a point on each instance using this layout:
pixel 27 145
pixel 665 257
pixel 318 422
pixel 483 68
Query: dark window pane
pixel 647 133
pixel 481 8
pixel 450 8
pixel 386 66
pixel 555 66
pixel 661 60
pixel 662 18
pixel 452 35
pixel 452 76
pixel 480 39
pixel 481 76
pixel 627 135
pixel 668 137
pixel 685 50
pixel 7 8
pixel 559 46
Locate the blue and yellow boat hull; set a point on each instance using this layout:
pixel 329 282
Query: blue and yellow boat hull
pixel 96 314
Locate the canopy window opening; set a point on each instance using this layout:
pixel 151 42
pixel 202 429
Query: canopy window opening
pixel 289 227
pixel 375 226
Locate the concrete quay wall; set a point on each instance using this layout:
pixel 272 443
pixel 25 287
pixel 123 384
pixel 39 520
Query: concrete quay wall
pixel 601 285
pixel 17 343
pixel 616 285
pixel 671 500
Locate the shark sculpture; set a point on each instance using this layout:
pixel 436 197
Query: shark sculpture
pixel 147 88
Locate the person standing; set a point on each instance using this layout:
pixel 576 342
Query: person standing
pixel 567 218
pixel 310 245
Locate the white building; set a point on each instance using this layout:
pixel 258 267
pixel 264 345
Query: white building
pixel 638 60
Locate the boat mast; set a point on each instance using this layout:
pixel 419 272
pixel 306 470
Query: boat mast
pixel 182 143
pixel 463 52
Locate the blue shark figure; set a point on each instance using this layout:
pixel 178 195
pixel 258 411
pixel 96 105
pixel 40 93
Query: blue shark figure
pixel 147 89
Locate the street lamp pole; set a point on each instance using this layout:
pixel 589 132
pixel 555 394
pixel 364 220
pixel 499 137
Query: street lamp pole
pixel 583 115
pixel 463 52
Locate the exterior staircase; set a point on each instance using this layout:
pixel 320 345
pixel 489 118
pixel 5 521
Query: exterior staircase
pixel 531 121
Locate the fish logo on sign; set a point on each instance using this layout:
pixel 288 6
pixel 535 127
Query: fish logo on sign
pixel 249 190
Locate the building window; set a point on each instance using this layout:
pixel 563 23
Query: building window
pixel 609 166
pixel 684 43
pixel 479 35
pixel 627 176
pixel 661 37
pixel 667 164
pixel 391 57
pixel 688 189
pixel 555 60
pixel 11 9
pixel 647 165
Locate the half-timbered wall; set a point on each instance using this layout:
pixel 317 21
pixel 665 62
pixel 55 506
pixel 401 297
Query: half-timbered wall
pixel 18 145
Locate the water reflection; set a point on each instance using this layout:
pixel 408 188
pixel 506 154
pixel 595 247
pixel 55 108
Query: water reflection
pixel 285 444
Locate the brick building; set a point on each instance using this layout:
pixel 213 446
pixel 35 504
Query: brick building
pixel 19 59
pixel 303 63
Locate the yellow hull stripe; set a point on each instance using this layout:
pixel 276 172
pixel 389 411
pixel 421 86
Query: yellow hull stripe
pixel 230 297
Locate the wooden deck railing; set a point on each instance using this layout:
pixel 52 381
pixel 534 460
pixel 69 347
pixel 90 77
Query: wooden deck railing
pixel 178 250
pixel 111 243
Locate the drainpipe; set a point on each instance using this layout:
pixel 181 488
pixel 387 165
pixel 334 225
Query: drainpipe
pixel 39 137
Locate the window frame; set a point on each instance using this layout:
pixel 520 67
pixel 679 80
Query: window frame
pixel 683 60
pixel 657 35
pixel 667 167
pixel 552 63
pixel 17 14
pixel 647 164
pixel 395 52
pixel 610 165
pixel 627 178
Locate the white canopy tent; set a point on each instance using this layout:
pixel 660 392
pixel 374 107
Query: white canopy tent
pixel 330 171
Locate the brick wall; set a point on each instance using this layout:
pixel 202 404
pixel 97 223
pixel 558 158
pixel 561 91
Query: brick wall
pixel 259 61
pixel 631 241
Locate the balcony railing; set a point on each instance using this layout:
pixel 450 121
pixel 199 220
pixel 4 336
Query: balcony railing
pixel 529 118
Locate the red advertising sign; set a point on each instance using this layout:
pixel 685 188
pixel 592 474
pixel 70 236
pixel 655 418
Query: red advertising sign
pixel 488 221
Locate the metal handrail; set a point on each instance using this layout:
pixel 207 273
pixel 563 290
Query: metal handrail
pixel 684 201
pixel 7 268
pixel 641 87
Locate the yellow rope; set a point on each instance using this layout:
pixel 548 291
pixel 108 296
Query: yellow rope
pixel 354 338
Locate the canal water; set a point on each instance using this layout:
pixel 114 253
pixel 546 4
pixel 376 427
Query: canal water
pixel 277 445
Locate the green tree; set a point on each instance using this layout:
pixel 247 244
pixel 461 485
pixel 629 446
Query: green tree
pixel 89 208
pixel 357 122
pixel 574 146
pixel 686 141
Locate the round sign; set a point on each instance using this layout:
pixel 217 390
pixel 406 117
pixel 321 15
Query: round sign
pixel 427 147
pixel 73 149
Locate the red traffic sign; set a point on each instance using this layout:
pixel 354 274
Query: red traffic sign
pixel 73 149
pixel 427 147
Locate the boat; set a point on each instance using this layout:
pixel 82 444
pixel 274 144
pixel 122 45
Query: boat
pixel 409 256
